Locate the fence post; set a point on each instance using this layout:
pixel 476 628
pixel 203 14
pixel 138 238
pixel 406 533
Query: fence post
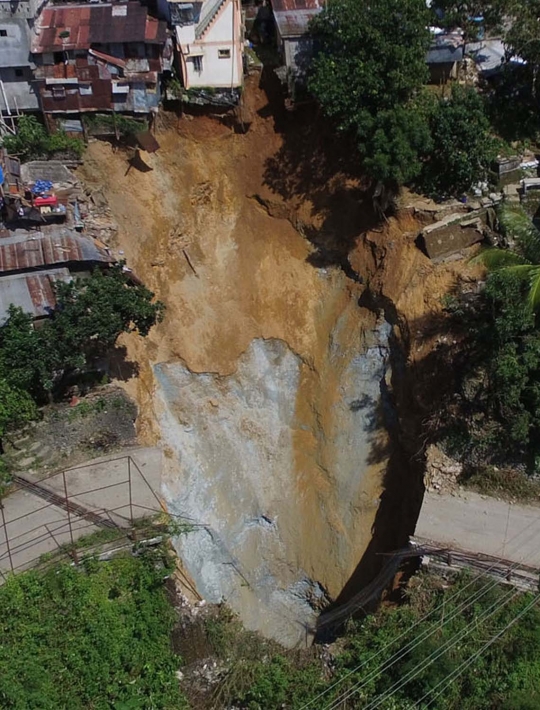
pixel 130 492
pixel 4 524
pixel 73 551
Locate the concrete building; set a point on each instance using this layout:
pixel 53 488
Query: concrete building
pixel 17 90
pixel 292 28
pixel 99 57
pixel 21 9
pixel 210 40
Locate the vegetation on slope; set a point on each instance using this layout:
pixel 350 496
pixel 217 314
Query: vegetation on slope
pixel 99 636
pixel 90 315
pixel 32 141
pixel 93 637
pixel 491 419
pixel 369 77
pixel 460 617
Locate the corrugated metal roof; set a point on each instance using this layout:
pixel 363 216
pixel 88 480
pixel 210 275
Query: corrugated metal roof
pixel 294 23
pixel 446 49
pixel 24 250
pixel 80 26
pixel 34 293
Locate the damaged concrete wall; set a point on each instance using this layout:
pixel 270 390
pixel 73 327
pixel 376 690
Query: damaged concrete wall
pixel 452 234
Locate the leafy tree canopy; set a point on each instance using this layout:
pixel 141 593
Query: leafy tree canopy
pixel 461 13
pixel 16 407
pixel 523 34
pixel 371 64
pixel 90 315
pixel 463 145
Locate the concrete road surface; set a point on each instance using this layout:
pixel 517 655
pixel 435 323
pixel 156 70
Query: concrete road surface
pixel 117 488
pixel 477 523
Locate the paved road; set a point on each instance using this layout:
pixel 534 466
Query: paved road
pixel 37 522
pixel 476 523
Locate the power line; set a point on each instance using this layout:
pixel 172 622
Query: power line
pixel 427 662
pixel 404 650
pixel 445 682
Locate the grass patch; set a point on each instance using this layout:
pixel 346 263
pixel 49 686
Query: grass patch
pixel 96 636
pixel 505 483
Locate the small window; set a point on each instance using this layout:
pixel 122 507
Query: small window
pixel 58 92
pixel 85 89
pixel 197 64
pixel 3 33
pixel 19 72
pixel 224 53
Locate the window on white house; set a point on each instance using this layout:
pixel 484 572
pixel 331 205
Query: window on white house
pixel 224 53
pixel 197 64
pixel 3 33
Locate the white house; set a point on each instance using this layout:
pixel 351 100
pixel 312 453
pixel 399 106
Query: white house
pixel 210 40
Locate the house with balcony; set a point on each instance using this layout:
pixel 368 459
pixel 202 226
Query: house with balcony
pixel 103 57
pixel 210 40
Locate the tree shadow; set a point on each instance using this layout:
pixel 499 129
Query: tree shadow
pixel 118 365
pixel 318 172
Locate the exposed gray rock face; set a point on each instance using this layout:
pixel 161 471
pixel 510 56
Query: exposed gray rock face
pixel 270 463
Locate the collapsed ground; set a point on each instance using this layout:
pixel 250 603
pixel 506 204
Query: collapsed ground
pixel 265 235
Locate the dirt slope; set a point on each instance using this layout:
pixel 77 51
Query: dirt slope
pixel 257 244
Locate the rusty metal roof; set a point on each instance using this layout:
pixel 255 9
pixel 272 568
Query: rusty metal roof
pixel 294 23
pixel 25 250
pixel 34 293
pixel 80 26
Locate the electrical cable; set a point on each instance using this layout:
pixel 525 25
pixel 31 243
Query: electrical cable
pixel 419 621
pixel 427 662
pixel 459 670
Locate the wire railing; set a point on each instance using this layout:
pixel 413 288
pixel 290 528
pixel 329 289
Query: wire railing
pixel 50 517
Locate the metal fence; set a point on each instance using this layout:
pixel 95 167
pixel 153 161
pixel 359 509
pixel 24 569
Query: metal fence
pixel 39 518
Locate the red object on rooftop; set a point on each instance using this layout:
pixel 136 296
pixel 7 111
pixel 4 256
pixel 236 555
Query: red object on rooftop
pixel 44 201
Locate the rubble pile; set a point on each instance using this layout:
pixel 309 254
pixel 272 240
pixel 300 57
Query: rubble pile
pixel 442 472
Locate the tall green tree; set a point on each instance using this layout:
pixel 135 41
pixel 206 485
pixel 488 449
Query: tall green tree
pixel 523 36
pixel 90 315
pixel 452 14
pixel 463 145
pixel 370 65
pixel 92 312
pixel 26 362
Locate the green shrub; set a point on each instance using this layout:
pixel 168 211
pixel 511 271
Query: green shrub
pixel 106 122
pixel 88 638
pixel 32 141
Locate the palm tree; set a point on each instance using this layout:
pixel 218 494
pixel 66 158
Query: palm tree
pixel 523 257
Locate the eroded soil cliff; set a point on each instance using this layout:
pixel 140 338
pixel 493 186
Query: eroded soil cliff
pixel 279 381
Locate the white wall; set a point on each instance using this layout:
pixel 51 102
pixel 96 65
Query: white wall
pixel 216 72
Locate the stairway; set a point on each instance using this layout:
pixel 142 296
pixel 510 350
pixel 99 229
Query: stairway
pixel 214 8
